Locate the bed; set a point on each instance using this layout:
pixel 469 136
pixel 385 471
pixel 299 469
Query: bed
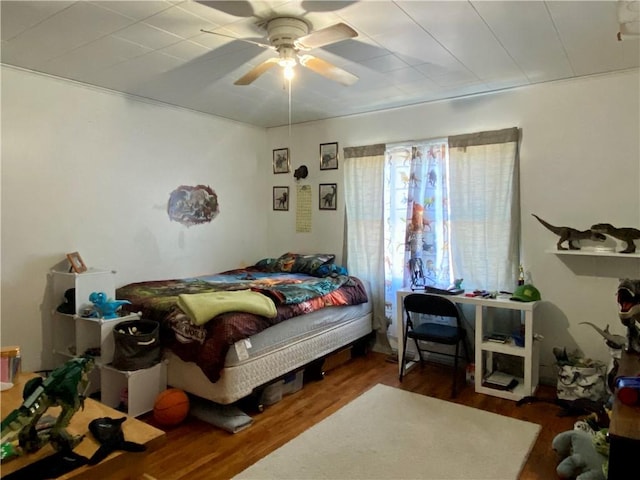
pixel 227 334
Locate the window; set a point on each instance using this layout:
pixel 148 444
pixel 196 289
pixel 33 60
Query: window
pixel 452 203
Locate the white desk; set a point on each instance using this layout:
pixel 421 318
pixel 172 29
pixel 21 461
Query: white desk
pixel 528 383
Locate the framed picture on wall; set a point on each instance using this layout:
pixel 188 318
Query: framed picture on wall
pixel 328 156
pixel 281 198
pixel 281 160
pixel 328 196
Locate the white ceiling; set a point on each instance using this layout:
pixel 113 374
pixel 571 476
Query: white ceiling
pixel 406 52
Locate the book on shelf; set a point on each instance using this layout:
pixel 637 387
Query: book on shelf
pixel 497 338
pixel 500 381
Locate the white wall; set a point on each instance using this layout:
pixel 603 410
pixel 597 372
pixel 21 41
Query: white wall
pixel 580 164
pixel 91 170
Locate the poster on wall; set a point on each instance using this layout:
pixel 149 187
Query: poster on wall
pixel 190 205
pixel 303 208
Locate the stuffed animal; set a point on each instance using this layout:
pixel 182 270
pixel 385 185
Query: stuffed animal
pixel 580 457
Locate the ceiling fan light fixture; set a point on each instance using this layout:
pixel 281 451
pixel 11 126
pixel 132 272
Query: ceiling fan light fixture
pixel 289 73
pixel 287 61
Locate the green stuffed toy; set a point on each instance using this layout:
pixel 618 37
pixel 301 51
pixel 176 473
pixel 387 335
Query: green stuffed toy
pixel 581 459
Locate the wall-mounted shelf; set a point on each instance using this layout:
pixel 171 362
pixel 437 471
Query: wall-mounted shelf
pixel 595 253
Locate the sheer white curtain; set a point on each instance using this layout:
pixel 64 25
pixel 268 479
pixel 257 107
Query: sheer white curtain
pixel 485 208
pixel 364 194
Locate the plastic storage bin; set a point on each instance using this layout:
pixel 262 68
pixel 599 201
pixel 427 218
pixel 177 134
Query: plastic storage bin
pixel 292 382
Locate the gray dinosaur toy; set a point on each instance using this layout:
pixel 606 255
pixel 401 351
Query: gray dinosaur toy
pixel 626 234
pixel 616 342
pixel 571 235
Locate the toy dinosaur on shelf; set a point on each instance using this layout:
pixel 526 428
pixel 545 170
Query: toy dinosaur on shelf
pixel 571 235
pixel 626 234
pixel 60 388
pixel 106 307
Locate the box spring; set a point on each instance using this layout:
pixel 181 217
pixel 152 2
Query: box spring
pixel 274 352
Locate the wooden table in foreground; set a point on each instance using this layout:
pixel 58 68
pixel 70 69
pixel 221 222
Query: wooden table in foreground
pixel 118 465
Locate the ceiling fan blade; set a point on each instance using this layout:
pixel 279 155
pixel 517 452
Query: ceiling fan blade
pixel 264 45
pixel 327 69
pixel 324 5
pixel 253 74
pixel 325 36
pixel 237 8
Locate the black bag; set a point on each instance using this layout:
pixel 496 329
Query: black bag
pixel 137 344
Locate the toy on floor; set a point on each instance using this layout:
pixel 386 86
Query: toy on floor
pixel 171 407
pixel 581 459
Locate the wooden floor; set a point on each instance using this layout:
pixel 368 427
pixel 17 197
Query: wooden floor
pixel 196 450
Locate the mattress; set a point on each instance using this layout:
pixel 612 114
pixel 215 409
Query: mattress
pixel 293 330
pixel 274 352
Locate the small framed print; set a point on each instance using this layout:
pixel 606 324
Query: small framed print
pixel 328 196
pixel 281 198
pixel 328 156
pixel 77 265
pixel 281 160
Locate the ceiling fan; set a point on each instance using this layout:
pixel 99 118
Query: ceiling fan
pixel 291 38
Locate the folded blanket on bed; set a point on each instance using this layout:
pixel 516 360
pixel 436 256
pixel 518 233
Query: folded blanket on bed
pixel 202 307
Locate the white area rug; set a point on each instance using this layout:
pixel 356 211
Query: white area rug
pixel 388 433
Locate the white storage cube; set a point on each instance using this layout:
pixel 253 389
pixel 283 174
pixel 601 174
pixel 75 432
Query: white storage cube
pixel 141 386
pixel 93 280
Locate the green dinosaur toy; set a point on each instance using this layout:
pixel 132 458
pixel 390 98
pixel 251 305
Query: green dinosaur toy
pixel 60 388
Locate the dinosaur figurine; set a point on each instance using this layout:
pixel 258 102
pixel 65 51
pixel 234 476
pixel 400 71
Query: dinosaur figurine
pixel 571 235
pixel 613 341
pixel 105 307
pixel 629 311
pixel 59 389
pixel 626 234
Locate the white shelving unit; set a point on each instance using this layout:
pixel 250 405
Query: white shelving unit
pixel 75 334
pixel 485 351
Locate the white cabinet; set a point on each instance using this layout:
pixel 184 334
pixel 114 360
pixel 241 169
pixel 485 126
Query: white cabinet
pixel 75 334
pixel 487 353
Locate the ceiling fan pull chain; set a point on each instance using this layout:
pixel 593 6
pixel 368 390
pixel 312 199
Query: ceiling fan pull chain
pixel 289 81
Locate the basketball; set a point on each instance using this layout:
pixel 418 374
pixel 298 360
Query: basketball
pixel 171 407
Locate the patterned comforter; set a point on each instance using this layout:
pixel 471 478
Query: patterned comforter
pixel 207 345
